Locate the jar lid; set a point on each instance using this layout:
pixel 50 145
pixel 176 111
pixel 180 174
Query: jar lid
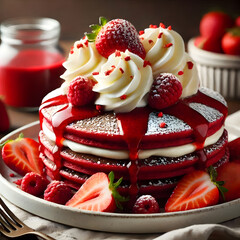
pixel 29 30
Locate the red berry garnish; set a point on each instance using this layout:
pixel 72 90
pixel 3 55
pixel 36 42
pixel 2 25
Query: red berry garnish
pixel 166 90
pixel 146 204
pixel 34 184
pixel 117 34
pixel 80 91
pixel 58 192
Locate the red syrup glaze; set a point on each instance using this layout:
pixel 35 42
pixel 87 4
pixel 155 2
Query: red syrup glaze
pixel 66 115
pixel 134 125
pixel 29 76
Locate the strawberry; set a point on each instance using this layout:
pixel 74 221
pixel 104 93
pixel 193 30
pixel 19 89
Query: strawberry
pixel 118 34
pixel 195 190
pixel 22 155
pixel 98 193
pixel 214 24
pixel 229 173
pixel 234 150
pixel 237 21
pixel 208 44
pixel 4 119
pixel 231 42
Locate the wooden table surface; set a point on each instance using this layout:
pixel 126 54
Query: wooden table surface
pixel 19 119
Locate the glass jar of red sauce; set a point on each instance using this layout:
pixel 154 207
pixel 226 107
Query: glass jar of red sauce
pixel 30 61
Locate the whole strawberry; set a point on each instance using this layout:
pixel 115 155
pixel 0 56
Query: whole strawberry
pixel 166 90
pixel 118 34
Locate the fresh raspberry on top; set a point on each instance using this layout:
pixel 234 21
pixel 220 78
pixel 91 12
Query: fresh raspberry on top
pixel 146 204
pixel 33 183
pixel 117 34
pixel 166 90
pixel 58 192
pixel 80 91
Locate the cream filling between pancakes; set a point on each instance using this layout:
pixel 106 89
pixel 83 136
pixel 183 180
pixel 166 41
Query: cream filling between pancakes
pixel 176 151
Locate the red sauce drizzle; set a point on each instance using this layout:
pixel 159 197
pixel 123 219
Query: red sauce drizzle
pixel 134 125
pixel 66 115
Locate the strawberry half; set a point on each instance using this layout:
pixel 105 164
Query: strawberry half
pixel 98 193
pixel 22 155
pixel 195 190
pixel 118 34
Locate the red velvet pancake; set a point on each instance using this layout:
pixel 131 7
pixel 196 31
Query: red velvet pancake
pixel 190 120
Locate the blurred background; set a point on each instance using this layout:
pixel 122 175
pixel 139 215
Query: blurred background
pixel 76 15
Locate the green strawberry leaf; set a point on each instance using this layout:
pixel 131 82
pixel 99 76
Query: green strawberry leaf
pixel 95 29
pixel 113 187
pixel 213 175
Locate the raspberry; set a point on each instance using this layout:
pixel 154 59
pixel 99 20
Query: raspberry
pixel 166 90
pixel 80 91
pixel 34 184
pixel 146 204
pixel 58 192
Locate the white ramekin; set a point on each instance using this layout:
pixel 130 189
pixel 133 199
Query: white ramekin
pixel 220 72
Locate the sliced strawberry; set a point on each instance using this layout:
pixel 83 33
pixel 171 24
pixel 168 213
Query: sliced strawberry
pixel 98 193
pixel 4 119
pixel 229 173
pixel 22 155
pixel 195 190
pixel 234 150
pixel 117 34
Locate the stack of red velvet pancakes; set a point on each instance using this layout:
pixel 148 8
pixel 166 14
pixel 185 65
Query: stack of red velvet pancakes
pixel 122 130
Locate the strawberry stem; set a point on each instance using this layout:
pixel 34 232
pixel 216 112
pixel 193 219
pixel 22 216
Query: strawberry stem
pixel 95 29
pixel 113 187
pixel 213 175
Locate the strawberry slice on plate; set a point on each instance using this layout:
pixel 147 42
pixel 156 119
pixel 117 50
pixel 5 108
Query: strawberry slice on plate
pixel 195 190
pixel 22 155
pixel 98 193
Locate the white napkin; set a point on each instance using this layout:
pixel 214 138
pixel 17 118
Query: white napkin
pixel 226 231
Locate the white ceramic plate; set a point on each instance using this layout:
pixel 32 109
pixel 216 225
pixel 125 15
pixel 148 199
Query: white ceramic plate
pixel 109 222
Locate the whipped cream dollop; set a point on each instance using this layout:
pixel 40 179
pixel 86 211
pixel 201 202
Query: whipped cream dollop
pixel 83 60
pixel 165 51
pixel 123 82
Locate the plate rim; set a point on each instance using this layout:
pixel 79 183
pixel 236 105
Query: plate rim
pixel 121 217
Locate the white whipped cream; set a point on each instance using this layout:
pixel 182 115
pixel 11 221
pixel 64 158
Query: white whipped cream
pixel 176 151
pixel 83 60
pixel 166 52
pixel 123 82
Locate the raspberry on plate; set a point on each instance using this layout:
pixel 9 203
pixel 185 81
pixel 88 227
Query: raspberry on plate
pixel 146 204
pixel 80 91
pixel 33 183
pixel 58 192
pixel 166 90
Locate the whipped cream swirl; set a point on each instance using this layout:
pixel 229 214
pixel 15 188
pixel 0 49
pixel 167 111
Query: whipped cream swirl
pixel 166 52
pixel 83 60
pixel 123 82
